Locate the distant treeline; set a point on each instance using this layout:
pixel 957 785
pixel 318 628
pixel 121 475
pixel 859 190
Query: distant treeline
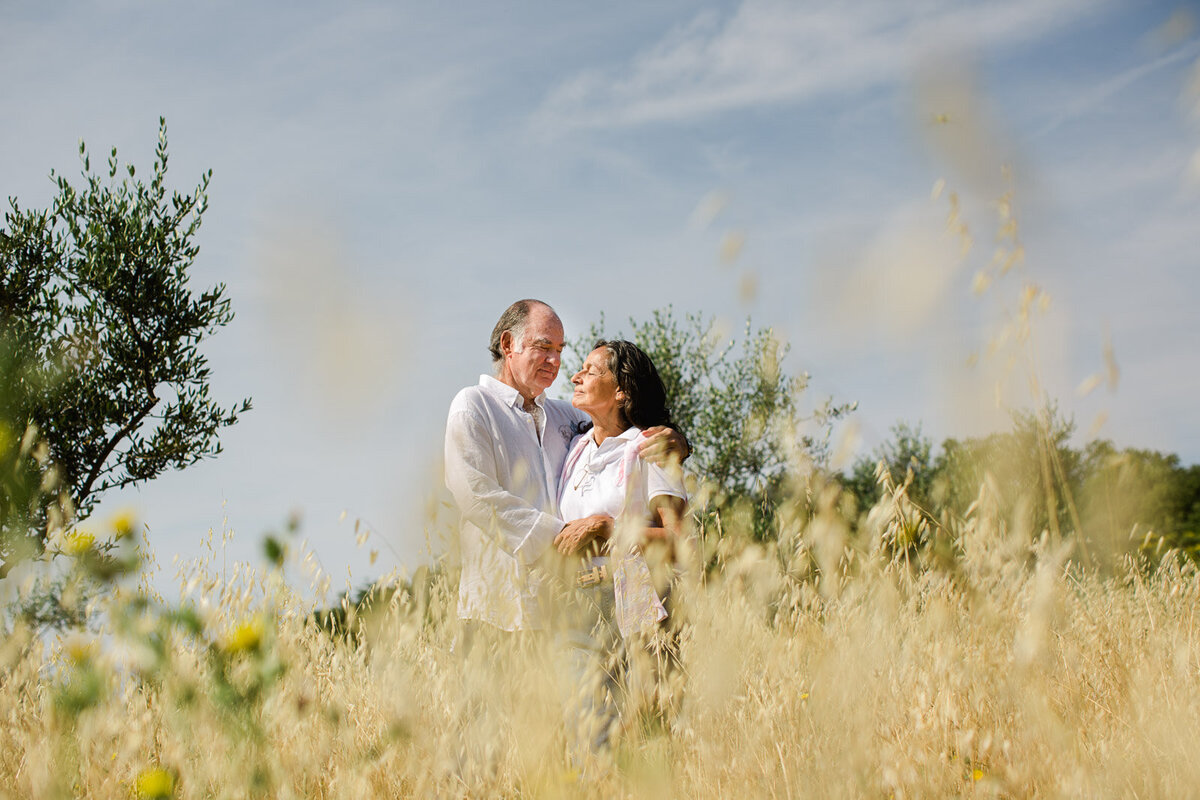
pixel 1122 499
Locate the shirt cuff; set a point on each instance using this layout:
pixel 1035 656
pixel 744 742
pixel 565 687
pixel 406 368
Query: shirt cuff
pixel 540 537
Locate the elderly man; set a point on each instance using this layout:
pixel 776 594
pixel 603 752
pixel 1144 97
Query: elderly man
pixel 505 447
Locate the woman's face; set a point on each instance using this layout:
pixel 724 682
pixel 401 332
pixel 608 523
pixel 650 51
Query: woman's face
pixel 596 389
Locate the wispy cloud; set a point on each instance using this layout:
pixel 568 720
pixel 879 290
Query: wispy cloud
pixel 1086 101
pixel 771 52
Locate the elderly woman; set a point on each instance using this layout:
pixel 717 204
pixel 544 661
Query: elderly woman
pixel 621 391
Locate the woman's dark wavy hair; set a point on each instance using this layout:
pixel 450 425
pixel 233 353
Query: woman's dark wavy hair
pixel 645 403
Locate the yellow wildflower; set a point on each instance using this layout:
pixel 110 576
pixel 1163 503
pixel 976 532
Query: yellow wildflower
pixel 123 523
pixel 154 784
pixel 976 775
pixel 79 542
pixel 245 637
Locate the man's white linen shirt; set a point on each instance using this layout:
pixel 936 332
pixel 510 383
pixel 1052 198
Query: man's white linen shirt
pixel 502 466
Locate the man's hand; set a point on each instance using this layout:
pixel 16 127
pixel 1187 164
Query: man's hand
pixel 578 534
pixel 663 446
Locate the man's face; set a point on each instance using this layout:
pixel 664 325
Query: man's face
pixel 532 364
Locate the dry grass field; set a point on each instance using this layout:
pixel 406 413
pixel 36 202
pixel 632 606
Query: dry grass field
pixel 837 658
pixel 813 666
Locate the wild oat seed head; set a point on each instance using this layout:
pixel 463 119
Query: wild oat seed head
pixel 731 246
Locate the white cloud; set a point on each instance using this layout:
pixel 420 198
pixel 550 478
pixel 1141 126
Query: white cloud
pixel 771 52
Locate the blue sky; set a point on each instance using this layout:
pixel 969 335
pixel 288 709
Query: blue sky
pixel 388 176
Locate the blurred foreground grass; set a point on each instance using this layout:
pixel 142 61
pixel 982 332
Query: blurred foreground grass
pixel 812 665
pixel 916 649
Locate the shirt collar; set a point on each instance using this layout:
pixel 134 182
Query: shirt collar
pixel 627 435
pixel 507 394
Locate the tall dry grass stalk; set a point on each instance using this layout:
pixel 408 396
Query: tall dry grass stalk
pixel 807 669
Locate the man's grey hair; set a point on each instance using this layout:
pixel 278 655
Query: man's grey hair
pixel 513 320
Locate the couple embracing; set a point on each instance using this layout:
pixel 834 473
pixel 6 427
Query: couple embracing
pixel 538 479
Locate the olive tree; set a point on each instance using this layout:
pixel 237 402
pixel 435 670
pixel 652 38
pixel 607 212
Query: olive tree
pixel 104 385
